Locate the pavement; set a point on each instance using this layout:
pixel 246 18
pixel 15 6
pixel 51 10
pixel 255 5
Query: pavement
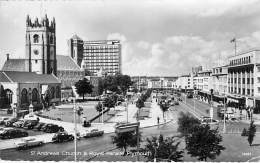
pixel 108 127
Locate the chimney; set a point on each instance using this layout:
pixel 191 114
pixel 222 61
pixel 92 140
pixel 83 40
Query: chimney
pixel 7 56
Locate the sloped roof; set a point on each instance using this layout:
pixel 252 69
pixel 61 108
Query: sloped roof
pixel 31 77
pixel 3 77
pixel 66 63
pixel 15 65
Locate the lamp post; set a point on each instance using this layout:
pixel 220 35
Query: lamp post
pixel 102 112
pixel 75 130
pixel 224 127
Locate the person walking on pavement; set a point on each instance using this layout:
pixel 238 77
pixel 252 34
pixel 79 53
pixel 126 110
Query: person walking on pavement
pixel 158 121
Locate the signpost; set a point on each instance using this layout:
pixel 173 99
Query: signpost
pixel 128 128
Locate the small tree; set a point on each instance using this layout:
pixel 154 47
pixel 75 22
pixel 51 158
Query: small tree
pixel 164 107
pixel 163 148
pixel 251 133
pixel 125 140
pixel 186 123
pixel 139 105
pixel 109 102
pixel 204 143
pixel 99 108
pixel 83 86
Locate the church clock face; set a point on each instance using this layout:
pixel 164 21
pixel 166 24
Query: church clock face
pixel 36 52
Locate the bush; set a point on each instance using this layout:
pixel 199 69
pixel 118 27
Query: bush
pixel 244 132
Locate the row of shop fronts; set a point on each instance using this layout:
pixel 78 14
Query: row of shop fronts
pixel 234 101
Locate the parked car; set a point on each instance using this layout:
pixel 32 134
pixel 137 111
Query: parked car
pixel 52 128
pixel 38 126
pixel 3 119
pixel 30 124
pixel 9 123
pixel 62 137
pixel 176 103
pixel 86 124
pixel 19 123
pixel 2 129
pixel 93 133
pixel 13 133
pixel 209 121
pixel 29 142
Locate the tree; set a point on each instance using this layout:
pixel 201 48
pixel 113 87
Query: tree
pixel 99 108
pixel 204 143
pixel 125 140
pixel 186 123
pixel 83 86
pixel 164 107
pixel 139 105
pixel 251 133
pixel 163 148
pixel 109 102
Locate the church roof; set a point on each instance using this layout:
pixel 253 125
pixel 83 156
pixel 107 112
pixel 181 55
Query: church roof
pixel 3 77
pixel 30 77
pixel 15 65
pixel 65 62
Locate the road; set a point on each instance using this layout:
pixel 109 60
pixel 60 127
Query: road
pixel 64 151
pixel 87 148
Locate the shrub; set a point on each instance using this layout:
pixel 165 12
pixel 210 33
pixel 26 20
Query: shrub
pixel 244 132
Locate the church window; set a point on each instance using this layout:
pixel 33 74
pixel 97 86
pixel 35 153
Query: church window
pixel 36 38
pixel 35 96
pixel 51 40
pixel 24 97
pixel 36 52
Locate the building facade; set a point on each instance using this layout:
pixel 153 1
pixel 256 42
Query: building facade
pixel 93 56
pixel 75 45
pixel 244 78
pixel 183 83
pixel 220 80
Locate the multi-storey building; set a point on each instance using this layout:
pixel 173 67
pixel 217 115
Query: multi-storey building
pixel 220 80
pixel 183 83
pixel 94 56
pixel 244 78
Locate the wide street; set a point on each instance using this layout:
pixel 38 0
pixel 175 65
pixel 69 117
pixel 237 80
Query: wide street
pixel 88 148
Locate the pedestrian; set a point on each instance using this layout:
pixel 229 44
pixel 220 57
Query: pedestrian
pixel 38 119
pixel 158 120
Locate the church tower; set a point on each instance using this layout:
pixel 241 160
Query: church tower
pixel 41 45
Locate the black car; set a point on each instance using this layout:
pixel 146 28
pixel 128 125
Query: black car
pixel 38 126
pixel 52 128
pixel 62 137
pixel 30 124
pixel 13 133
pixel 44 126
pixel 10 122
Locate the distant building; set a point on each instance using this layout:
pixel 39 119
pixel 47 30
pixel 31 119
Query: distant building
pixel 183 83
pixel 96 55
pixel 220 80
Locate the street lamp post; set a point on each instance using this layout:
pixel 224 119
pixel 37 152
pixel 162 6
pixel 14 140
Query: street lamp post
pixel 102 111
pixel 224 127
pixel 137 132
pixel 75 130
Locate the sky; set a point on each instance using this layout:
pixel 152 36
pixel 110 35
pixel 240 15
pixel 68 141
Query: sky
pixel 159 37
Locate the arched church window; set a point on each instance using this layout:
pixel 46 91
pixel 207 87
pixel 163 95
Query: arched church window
pixel 35 95
pixel 52 92
pixel 24 97
pixel 57 92
pixel 51 40
pixel 36 38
